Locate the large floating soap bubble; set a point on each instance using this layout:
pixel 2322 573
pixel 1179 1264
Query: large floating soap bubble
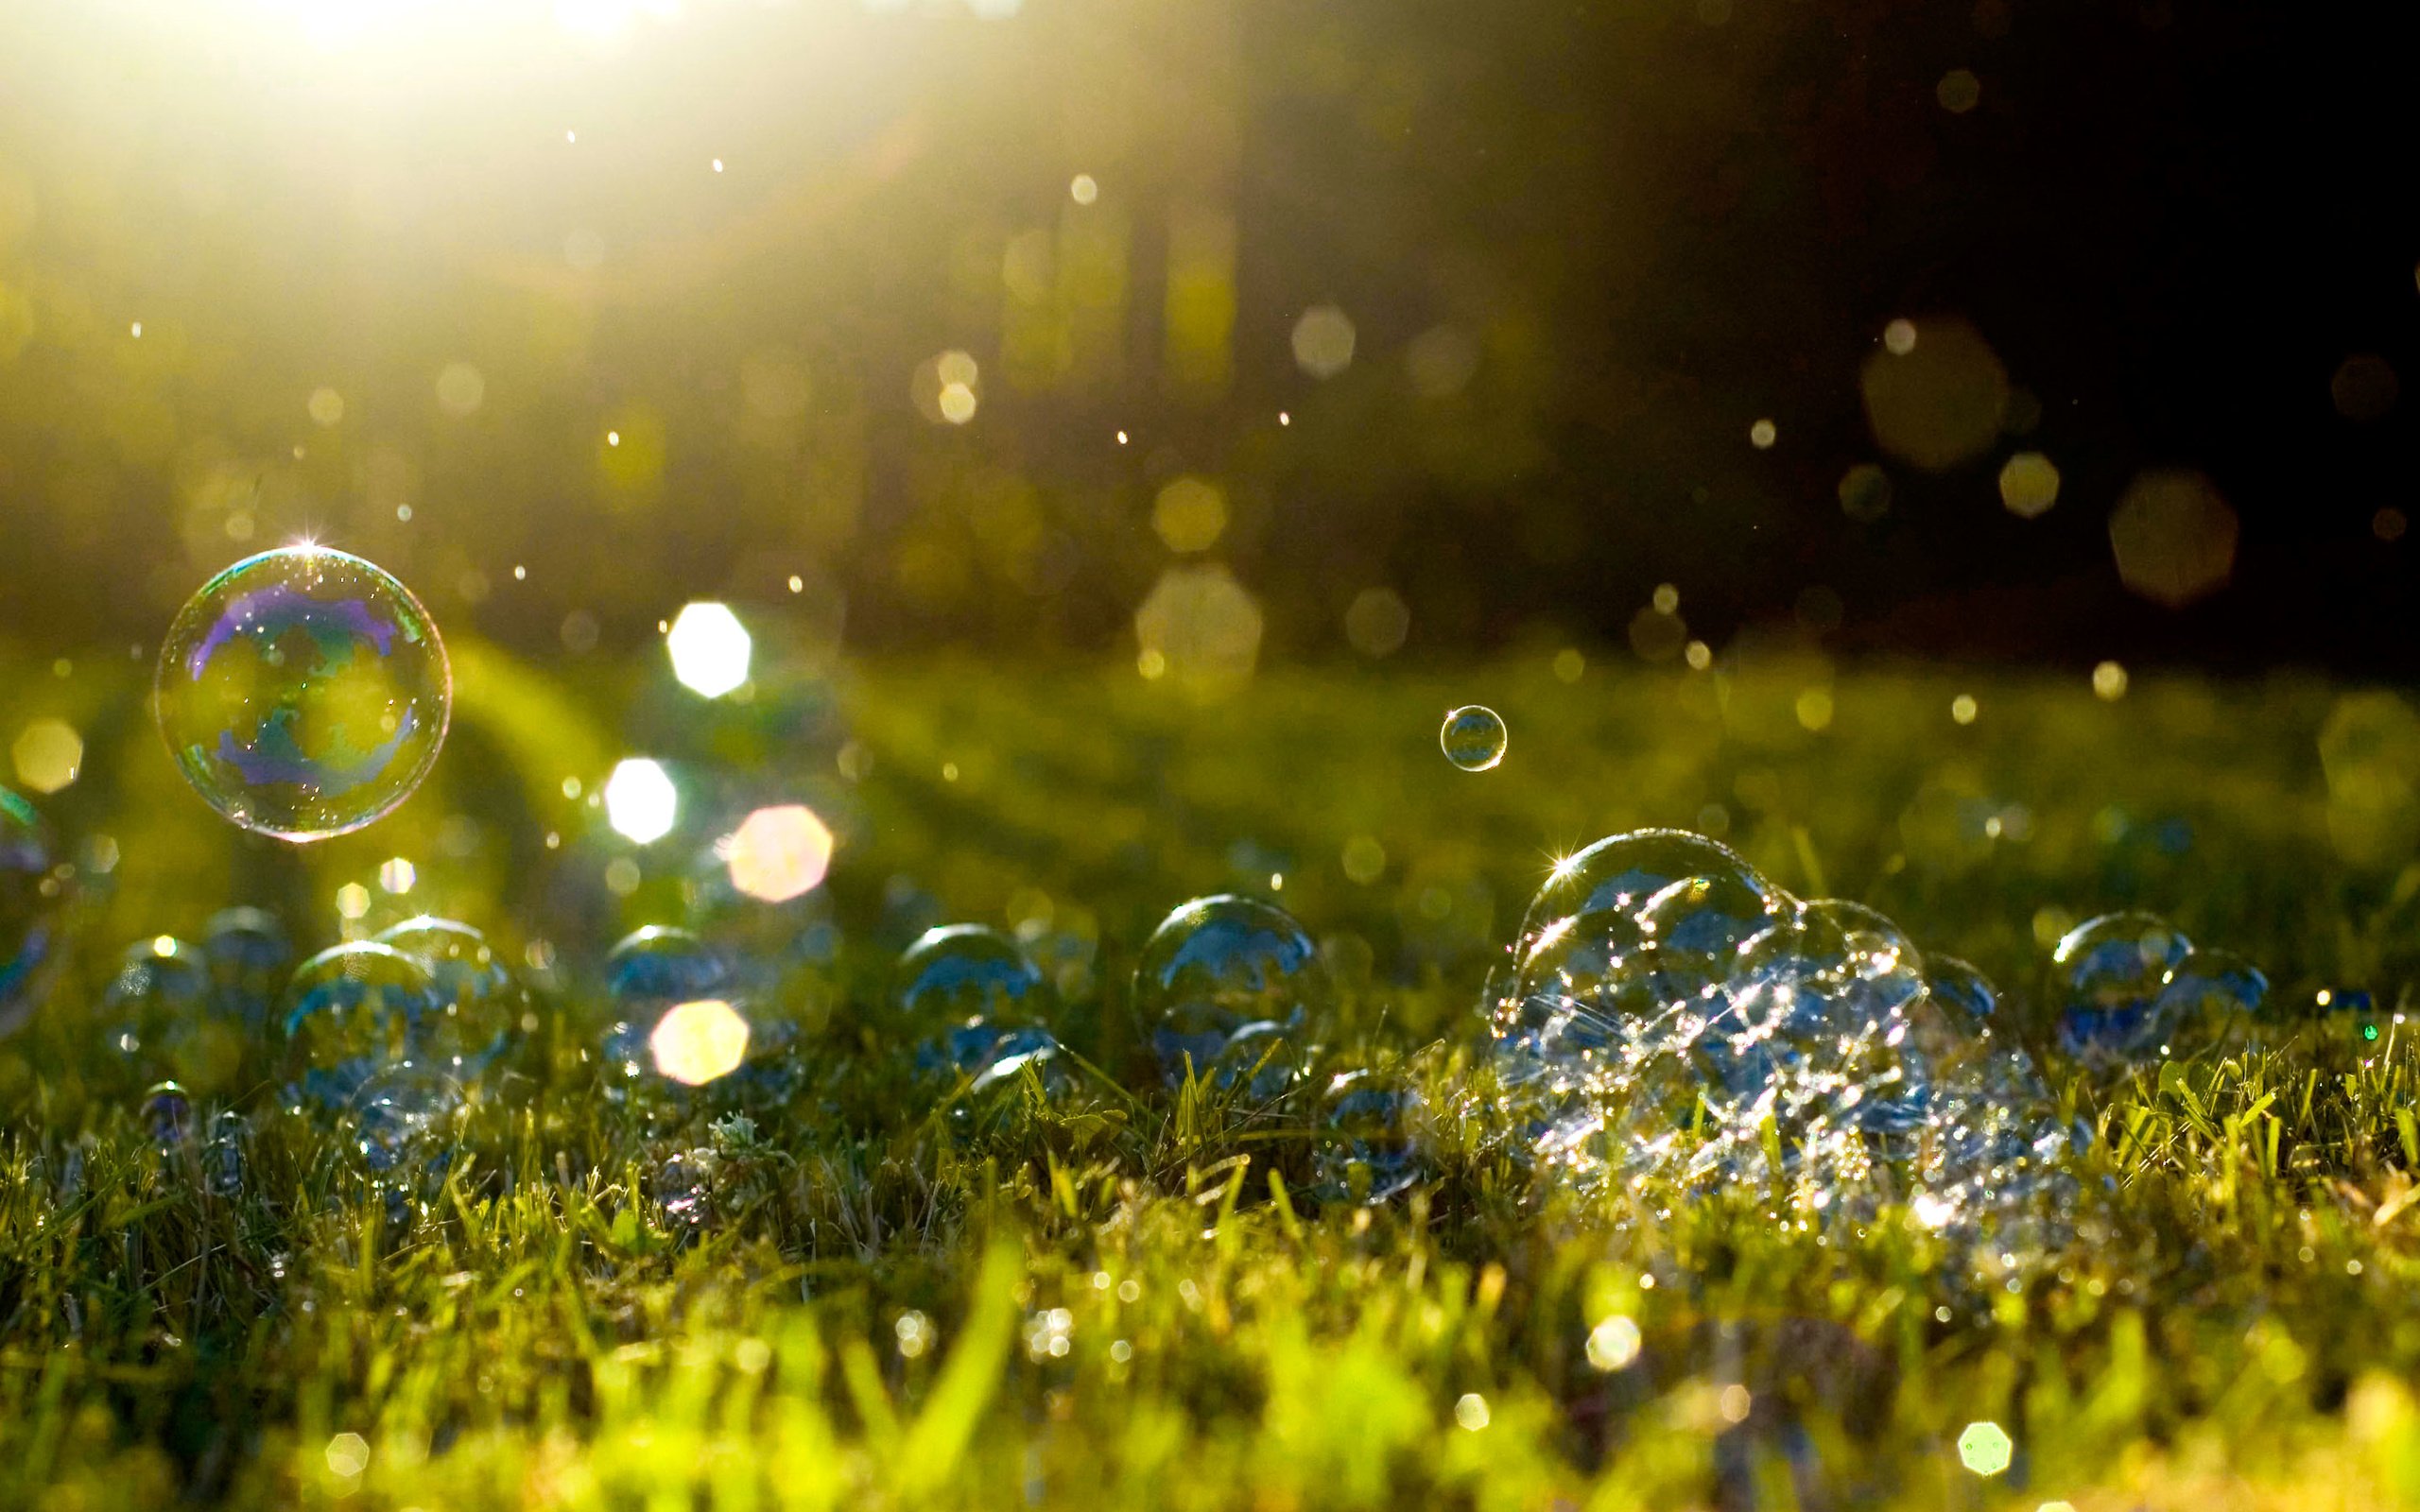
pixel 976 1000
pixel 1473 738
pixel 29 907
pixel 303 693
pixel 1223 984
pixel 1669 1013
pixel 2130 987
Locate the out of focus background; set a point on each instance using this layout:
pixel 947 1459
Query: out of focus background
pixel 1224 329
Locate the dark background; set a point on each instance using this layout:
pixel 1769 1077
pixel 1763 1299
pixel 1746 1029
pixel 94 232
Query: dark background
pixel 1643 226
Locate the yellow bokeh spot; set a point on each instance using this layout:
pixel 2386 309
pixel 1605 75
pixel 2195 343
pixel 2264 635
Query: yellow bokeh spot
pixel 327 407
pixel 1376 622
pixel 710 649
pixel 695 1042
pixel 1324 340
pixel 779 853
pixel 2029 485
pixel 48 755
pixel 1190 515
pixel 957 401
pixel 353 900
pixel 1082 189
pixel 1204 627
pixel 1814 708
pixel 398 876
pixel 1938 400
pixel 1763 433
pixel 2173 536
pixel 1963 709
pixel 1613 1344
pixel 2109 681
pixel 461 388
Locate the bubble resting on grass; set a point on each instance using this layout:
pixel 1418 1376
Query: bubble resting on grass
pixel 160 996
pixel 1670 1014
pixel 2131 988
pixel 222 1160
pixel 303 693
pixel 29 915
pixel 167 1116
pixel 351 1013
pixel 249 952
pixel 979 1003
pixel 1370 1142
pixel 478 1002
pixel 1224 986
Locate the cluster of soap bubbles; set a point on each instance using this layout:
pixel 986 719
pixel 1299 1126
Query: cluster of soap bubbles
pixel 1669 1014
pixel 2132 989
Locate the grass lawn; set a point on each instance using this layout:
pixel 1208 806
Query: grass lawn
pixel 1105 1295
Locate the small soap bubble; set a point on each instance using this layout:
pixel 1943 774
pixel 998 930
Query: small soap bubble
pixel 1219 980
pixel 248 952
pixel 303 693
pixel 162 993
pixel 1473 738
pixel 659 966
pixel 479 1002
pixel 980 1003
pixel 1369 1140
pixel 2107 975
pixel 28 912
pixel 167 1116
pixel 682 1184
pixel 352 1012
pixel 222 1160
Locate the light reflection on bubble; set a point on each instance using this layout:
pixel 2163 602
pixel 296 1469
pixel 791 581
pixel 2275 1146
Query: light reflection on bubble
pixel 698 1042
pixel 778 854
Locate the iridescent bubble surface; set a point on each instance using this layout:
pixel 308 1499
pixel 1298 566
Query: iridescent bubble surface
pixel 29 907
pixel 479 1002
pixel 1473 738
pixel 303 693
pixel 157 1005
pixel 1670 1014
pixel 1368 1144
pixel 352 1012
pixel 1219 979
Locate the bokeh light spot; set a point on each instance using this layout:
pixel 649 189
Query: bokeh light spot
pixel 2364 388
pixel 1190 515
pixel 1865 492
pixel 710 649
pixel 779 853
pixel 460 389
pixel 640 800
pixel 1205 626
pixel 1083 189
pixel 1959 91
pixel 695 1042
pixel 325 406
pixel 2173 536
pixel 2029 485
pixel 1613 1344
pixel 1939 402
pixel 1762 435
pixel 1900 338
pixel 1376 622
pixel 48 754
pixel 1323 341
pixel 2109 681
pixel 1985 1449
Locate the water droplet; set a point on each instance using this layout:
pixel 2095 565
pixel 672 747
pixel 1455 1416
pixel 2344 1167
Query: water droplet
pixel 303 693
pixel 28 916
pixel 1473 738
pixel 1222 983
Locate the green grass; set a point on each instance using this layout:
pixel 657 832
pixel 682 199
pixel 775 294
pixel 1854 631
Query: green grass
pixel 2231 1328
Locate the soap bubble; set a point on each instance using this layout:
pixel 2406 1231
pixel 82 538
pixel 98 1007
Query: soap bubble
pixel 977 999
pixel 303 693
pixel 1368 1145
pixel 1219 980
pixel 479 1003
pixel 167 1116
pixel 28 912
pixel 1473 738
pixel 681 1184
pixel 222 1159
pixel 352 1011
pixel 1669 1014
pixel 248 953
pixel 2128 986
pixel 161 994
pixel 659 966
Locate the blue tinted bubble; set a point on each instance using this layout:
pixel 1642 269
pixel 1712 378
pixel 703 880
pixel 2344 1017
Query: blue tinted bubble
pixel 352 1011
pixel 29 907
pixel 303 693
pixel 223 1159
pixel 1368 1142
pixel 1220 974
pixel 162 988
pixel 167 1115
pixel 1473 738
pixel 660 965
pixel 249 953
pixel 2106 977
pixel 479 1002
pixel 967 974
